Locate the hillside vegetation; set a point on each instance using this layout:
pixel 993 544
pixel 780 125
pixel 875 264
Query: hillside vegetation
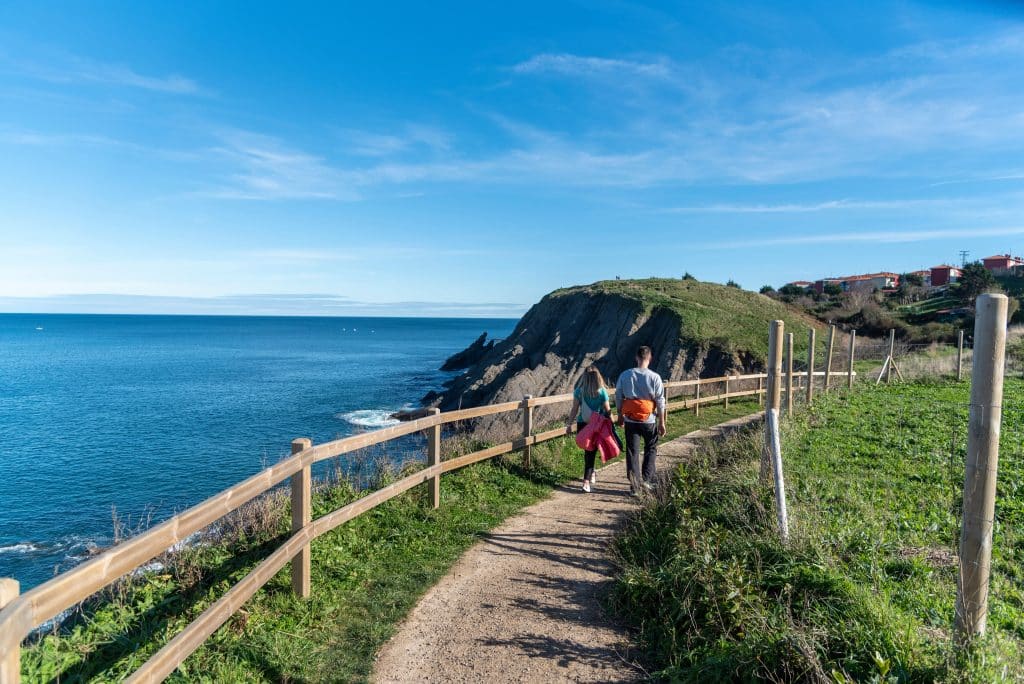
pixel 865 591
pixel 709 314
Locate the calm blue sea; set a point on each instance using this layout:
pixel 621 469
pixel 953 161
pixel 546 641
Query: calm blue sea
pixel 151 414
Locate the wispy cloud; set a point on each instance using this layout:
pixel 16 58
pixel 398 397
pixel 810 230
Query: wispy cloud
pixel 870 236
pixel 264 168
pixel 582 66
pixel 286 304
pixel 798 208
pixel 71 69
pixel 407 138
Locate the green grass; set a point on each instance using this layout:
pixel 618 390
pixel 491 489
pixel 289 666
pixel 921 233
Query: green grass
pixel 367 575
pixel 729 318
pixel 865 591
pixel 931 305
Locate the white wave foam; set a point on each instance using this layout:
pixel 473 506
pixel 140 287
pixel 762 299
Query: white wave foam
pixel 369 418
pixel 23 547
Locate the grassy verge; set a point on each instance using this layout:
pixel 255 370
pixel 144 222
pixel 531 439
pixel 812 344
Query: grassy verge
pixel 866 589
pixel 367 575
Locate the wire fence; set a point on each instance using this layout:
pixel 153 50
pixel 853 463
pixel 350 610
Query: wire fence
pixel 881 481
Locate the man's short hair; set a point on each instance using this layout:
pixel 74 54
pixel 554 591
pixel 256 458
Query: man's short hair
pixel 643 352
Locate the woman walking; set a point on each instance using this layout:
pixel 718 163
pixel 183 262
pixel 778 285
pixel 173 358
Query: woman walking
pixel 589 397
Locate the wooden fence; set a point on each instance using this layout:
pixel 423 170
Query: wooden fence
pixel 20 614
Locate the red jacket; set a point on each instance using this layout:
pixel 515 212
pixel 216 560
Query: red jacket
pixel 599 434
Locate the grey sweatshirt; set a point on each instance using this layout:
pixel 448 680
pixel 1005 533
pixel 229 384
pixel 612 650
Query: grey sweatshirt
pixel 640 383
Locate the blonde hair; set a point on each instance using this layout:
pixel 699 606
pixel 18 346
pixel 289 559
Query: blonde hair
pixel 592 382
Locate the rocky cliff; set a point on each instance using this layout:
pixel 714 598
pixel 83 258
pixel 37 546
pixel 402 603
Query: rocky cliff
pixel 695 330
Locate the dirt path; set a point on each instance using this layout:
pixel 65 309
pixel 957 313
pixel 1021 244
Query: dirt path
pixel 523 604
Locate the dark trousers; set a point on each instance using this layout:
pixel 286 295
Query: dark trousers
pixel 648 433
pixel 589 457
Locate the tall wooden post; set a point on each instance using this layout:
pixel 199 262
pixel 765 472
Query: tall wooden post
pixel 810 366
pixel 696 401
pixel 853 348
pixel 981 465
pixel 789 374
pixel 960 356
pixel 760 390
pixel 773 400
pixel 726 392
pixel 434 458
pixel 10 665
pixel 527 431
pixel 892 356
pixel 302 515
pixel 828 355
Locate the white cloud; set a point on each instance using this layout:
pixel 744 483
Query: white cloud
pixel 264 168
pixel 798 208
pixel 66 69
pixel 872 236
pixel 580 66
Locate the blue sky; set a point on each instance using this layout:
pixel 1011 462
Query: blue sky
pixel 465 159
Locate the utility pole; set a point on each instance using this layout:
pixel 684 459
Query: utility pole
pixel 963 256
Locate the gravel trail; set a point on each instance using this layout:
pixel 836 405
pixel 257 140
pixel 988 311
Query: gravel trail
pixel 522 605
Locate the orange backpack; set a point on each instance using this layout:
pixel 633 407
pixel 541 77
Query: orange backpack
pixel 637 410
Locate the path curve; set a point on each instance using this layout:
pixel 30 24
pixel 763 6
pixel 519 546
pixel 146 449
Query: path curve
pixel 522 605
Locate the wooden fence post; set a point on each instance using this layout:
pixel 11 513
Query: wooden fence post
pixel 810 366
pixel 696 401
pixel 982 465
pixel 726 392
pixel 434 458
pixel 760 389
pixel 773 400
pixel 527 431
pixel 960 356
pixel 853 349
pixel 828 356
pixel 302 515
pixel 789 374
pixel 10 666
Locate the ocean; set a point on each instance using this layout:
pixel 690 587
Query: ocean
pixel 148 415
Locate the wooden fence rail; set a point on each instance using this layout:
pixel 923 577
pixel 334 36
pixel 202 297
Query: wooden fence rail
pixel 20 614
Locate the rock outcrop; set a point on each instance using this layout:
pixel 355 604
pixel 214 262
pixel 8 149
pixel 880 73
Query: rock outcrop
pixel 569 330
pixel 470 355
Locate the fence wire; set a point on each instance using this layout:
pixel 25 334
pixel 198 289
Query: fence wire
pixel 884 489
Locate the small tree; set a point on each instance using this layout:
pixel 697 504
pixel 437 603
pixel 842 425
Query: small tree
pixel 912 280
pixel 687 276
pixel 733 283
pixel 975 279
pixel 767 290
pixel 832 289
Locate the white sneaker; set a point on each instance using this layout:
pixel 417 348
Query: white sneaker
pixel 586 486
pixel 593 477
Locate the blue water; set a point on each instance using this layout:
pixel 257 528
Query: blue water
pixel 151 414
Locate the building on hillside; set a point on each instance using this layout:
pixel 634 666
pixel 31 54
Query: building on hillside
pixel 800 283
pixel 944 274
pixel 1002 264
pixel 872 281
pixel 819 285
pixel 867 282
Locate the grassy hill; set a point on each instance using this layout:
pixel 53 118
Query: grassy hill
pixel 709 313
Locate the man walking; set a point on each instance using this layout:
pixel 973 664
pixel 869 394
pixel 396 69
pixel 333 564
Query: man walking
pixel 640 402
